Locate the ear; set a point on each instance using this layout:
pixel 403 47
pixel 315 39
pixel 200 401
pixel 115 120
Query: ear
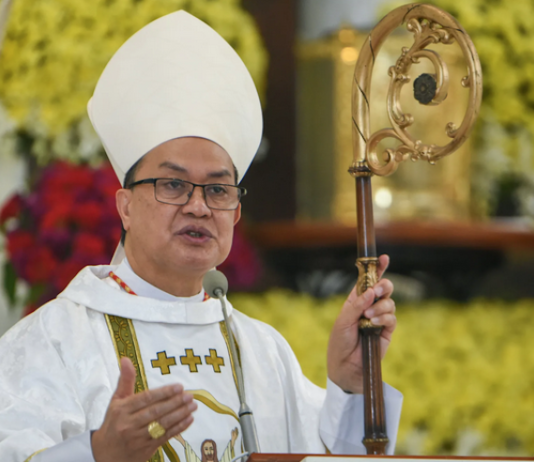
pixel 237 214
pixel 123 198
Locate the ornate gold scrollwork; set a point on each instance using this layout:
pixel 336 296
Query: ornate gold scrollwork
pixel 429 25
pixel 367 273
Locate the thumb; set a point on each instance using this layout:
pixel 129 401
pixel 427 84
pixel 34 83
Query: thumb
pixel 126 385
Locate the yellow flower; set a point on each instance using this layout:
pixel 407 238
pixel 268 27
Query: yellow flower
pixel 464 369
pixel 55 50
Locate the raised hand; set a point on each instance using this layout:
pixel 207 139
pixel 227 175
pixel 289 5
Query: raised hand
pixel 345 367
pixel 124 436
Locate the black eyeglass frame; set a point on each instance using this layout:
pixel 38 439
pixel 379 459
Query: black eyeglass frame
pixel 153 181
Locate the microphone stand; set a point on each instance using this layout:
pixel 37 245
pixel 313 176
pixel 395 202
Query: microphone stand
pixel 246 417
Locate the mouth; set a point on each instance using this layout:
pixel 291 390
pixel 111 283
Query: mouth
pixel 195 234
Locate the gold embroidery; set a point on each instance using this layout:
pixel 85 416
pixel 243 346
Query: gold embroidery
pixel 163 362
pixel 34 454
pixel 170 452
pixel 190 360
pixel 224 332
pixel 209 400
pixel 214 360
pixel 125 342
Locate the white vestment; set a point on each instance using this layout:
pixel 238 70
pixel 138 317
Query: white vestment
pixel 59 369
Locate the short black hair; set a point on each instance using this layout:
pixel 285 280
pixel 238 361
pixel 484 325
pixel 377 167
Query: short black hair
pixel 129 178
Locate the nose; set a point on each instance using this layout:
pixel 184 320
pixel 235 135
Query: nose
pixel 196 203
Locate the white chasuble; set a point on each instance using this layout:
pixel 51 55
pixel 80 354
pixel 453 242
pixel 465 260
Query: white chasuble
pixel 198 357
pixel 59 369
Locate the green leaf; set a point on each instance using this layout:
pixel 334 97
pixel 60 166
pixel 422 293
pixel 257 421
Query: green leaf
pixel 10 283
pixel 35 293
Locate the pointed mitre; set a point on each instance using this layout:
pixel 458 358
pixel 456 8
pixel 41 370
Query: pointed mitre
pixel 174 78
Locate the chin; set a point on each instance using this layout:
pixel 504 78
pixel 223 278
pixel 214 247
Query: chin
pixel 196 263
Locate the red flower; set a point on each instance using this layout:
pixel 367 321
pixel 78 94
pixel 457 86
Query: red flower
pixel 65 272
pixel 58 216
pixel 11 208
pixel 87 215
pixel 19 241
pixel 88 244
pixel 40 265
pixel 68 221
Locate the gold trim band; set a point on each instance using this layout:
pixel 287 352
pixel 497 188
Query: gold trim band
pixel 226 337
pixel 34 454
pixel 125 342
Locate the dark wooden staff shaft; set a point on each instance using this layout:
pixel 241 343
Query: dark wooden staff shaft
pixel 375 439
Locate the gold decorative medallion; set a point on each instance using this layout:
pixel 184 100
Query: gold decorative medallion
pixel 156 430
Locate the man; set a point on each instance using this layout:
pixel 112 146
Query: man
pixel 208 450
pixel 115 368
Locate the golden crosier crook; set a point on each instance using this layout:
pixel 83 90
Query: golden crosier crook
pixel 429 25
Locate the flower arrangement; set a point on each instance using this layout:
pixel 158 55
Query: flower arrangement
pixel 55 50
pixel 66 222
pixel 466 370
pixel 503 34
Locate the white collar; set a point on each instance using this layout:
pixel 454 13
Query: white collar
pixel 93 288
pixel 145 289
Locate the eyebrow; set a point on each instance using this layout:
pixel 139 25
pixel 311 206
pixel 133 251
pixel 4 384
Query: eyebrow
pixel 178 168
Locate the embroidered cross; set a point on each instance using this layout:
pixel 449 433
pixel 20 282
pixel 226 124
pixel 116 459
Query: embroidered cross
pixel 214 360
pixel 163 362
pixel 190 360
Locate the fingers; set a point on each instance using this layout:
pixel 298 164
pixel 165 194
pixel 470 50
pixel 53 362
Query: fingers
pixel 177 421
pixel 167 412
pixel 150 397
pixel 126 385
pixel 382 313
pixel 383 288
pixel 176 429
pixel 383 263
pixel 357 304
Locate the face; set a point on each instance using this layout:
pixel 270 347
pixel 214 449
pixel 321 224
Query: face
pixel 186 238
pixel 208 450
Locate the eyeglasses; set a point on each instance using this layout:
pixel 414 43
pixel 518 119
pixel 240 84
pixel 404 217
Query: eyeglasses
pixel 178 192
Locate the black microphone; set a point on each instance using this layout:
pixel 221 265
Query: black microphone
pixel 216 286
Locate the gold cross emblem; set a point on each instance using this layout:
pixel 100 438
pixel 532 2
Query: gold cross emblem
pixel 163 362
pixel 214 360
pixel 190 360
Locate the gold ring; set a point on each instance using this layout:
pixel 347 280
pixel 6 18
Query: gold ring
pixel 155 430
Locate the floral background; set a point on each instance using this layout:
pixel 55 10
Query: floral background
pixel 55 50
pixel 466 370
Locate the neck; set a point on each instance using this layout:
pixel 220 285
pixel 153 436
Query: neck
pixel 177 283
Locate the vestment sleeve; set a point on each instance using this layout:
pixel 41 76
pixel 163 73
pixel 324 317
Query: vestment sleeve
pixel 75 449
pixel 333 420
pixel 39 403
pixel 342 426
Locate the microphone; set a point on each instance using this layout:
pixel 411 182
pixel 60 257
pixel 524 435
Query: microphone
pixel 216 286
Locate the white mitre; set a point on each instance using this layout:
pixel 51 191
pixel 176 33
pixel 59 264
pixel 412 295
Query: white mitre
pixel 174 78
